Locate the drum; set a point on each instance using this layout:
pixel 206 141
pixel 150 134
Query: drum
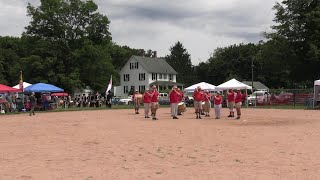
pixel 181 107
pixel 137 99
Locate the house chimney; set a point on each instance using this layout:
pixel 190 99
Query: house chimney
pixel 154 54
pixel 142 52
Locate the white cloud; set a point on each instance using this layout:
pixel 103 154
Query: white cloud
pixel 201 25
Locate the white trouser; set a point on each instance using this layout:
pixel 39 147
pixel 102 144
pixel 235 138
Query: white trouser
pixel 174 109
pixel 217 110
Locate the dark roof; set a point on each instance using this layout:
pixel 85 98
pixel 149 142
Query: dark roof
pixel 155 65
pixel 256 84
pixel 163 83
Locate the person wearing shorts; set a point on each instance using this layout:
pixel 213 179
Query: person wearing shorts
pixel 154 102
pixel 146 103
pixel 198 96
pixel 231 97
pixel 174 100
pixel 238 103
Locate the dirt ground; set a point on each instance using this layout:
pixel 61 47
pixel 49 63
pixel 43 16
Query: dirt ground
pixel 117 144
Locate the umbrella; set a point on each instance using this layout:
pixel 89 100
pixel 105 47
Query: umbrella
pixel 5 89
pixel 42 87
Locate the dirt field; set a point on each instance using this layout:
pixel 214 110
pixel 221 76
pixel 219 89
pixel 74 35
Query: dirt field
pixel 116 144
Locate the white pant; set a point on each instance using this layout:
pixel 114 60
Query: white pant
pixel 217 110
pixel 146 108
pixel 174 109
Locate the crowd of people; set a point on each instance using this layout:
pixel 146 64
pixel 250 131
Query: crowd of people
pixel 202 102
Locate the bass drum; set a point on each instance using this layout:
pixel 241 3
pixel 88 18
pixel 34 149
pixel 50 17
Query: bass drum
pixel 181 107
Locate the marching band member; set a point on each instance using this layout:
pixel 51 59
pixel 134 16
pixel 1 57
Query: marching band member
pixel 231 97
pixel 181 99
pixel 197 95
pixel 136 102
pixel 154 102
pixel 174 100
pixel 146 103
pixel 207 103
pixel 217 105
pixel 238 103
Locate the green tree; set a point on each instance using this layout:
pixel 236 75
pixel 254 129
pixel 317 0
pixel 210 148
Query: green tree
pixel 298 22
pixel 180 60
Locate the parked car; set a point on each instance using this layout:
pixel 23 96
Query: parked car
pixel 126 101
pixel 259 97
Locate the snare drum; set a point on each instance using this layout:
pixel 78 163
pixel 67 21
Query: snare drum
pixel 181 107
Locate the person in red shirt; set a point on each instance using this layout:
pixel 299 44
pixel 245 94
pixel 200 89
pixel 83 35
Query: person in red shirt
pixel 181 99
pixel 146 103
pixel 198 96
pixel 207 103
pixel 174 96
pixel 231 97
pixel 238 103
pixel 154 102
pixel 217 105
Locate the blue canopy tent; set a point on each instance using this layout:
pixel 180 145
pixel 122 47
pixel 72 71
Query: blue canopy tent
pixel 42 87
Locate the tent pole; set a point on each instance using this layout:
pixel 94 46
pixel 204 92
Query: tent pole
pixel 314 96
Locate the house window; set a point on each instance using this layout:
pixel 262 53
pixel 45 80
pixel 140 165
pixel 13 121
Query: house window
pixel 160 76
pixel 132 89
pixel 142 88
pixel 142 76
pixel 125 89
pixel 170 77
pixel 165 76
pixel 126 77
pixel 134 65
pixel 154 76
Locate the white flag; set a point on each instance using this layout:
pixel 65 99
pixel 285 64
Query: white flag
pixel 109 86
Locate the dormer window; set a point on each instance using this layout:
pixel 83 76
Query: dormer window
pixel 134 65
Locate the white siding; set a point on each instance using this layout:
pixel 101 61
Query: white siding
pixel 134 76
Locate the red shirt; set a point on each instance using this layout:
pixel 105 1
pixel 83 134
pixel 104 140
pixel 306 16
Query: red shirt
pixel 174 97
pixel 231 97
pixel 197 95
pixel 217 100
pixel 238 97
pixel 146 98
pixel 207 97
pixel 181 96
pixel 154 98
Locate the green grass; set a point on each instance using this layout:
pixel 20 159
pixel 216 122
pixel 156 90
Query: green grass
pixel 61 109
pixel 280 107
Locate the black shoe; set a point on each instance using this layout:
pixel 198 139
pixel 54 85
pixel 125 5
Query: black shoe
pixel 175 118
pixel 145 117
pixel 137 113
pixel 202 113
pixel 238 118
pixel 230 115
pixel 200 117
pixel 208 115
pixel 154 118
pixel 216 118
pixel 197 117
pixel 148 117
pixel 179 114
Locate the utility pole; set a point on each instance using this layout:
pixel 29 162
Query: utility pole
pixel 252 72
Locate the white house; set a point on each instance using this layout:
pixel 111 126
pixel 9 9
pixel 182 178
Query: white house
pixel 140 73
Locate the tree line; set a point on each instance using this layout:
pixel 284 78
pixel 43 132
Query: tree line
pixel 68 43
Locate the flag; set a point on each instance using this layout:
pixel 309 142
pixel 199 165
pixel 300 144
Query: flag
pixel 21 82
pixel 109 86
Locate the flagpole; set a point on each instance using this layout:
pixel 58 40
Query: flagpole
pixel 21 81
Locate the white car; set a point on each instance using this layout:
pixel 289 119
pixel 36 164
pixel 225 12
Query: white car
pixel 126 101
pixel 258 97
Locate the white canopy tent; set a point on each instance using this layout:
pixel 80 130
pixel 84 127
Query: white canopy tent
pixel 203 85
pixel 316 90
pixel 232 84
pixel 25 84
